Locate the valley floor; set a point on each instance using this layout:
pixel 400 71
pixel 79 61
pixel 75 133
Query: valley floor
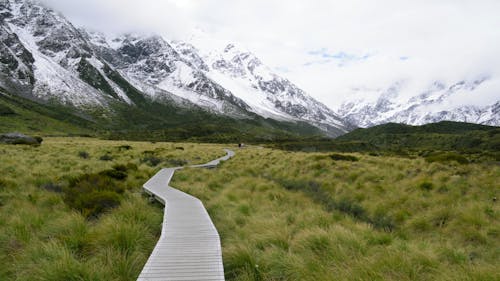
pixel 72 209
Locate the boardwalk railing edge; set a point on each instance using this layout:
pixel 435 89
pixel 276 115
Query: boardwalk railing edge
pixel 158 187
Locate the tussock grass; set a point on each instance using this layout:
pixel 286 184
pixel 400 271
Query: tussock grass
pixel 298 216
pixel 42 237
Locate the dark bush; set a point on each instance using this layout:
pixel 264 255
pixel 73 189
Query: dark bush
pixel 92 194
pixel 343 157
pixel 53 187
pixel 152 161
pixel 115 174
pixel 124 147
pixel 444 157
pixel 350 207
pixel 179 148
pixel 426 186
pixel 83 154
pixel 3 184
pixel 120 167
pixel 96 202
pixel 106 157
pixel 382 221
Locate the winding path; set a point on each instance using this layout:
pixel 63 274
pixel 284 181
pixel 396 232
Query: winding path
pixel 189 246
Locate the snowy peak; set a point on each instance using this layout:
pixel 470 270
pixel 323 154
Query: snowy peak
pixel 267 93
pixel 44 56
pixel 52 33
pixel 435 103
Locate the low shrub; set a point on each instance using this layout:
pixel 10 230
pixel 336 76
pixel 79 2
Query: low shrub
pixel 120 167
pixel 426 186
pixel 96 202
pixel 350 207
pixel 115 174
pixel 106 157
pixel 151 160
pixel 383 221
pixel 83 154
pixel 3 183
pixel 6 184
pixel 124 147
pixel 444 157
pixel 53 187
pixel 93 194
pixel 343 157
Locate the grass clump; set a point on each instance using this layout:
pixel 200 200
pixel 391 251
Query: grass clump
pixel 124 147
pixel 151 160
pixel 51 186
pixel 83 154
pixel 93 194
pixel 427 186
pixel 343 157
pixel 444 157
pixel 106 157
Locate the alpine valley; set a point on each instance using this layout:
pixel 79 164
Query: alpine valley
pixel 149 86
pixel 137 83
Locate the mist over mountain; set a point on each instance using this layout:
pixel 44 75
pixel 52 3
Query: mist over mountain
pixel 45 58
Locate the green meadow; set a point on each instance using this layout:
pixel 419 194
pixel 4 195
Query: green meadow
pixel 323 216
pixel 73 209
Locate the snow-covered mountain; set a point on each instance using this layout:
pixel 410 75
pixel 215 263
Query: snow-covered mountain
pixel 437 102
pixel 43 56
pixel 265 92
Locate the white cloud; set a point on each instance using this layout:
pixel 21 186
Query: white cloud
pixel 447 39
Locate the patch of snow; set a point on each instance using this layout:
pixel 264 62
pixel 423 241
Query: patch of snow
pixel 54 81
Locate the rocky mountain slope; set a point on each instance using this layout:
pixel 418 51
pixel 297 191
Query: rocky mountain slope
pixel 43 56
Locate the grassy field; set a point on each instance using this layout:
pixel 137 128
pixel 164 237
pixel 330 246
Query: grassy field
pixel 318 216
pixel 72 209
pixel 50 226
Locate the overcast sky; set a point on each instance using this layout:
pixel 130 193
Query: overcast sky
pixel 329 47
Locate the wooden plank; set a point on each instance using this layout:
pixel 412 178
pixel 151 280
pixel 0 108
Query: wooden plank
pixel 189 245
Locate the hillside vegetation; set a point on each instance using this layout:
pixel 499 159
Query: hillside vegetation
pixel 404 139
pixel 148 121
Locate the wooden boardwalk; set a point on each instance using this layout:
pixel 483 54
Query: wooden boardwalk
pixel 189 245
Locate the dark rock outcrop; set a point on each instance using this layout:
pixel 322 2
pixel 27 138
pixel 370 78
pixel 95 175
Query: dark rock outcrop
pixel 18 138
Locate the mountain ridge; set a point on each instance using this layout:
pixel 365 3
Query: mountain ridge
pixel 435 103
pixel 82 69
